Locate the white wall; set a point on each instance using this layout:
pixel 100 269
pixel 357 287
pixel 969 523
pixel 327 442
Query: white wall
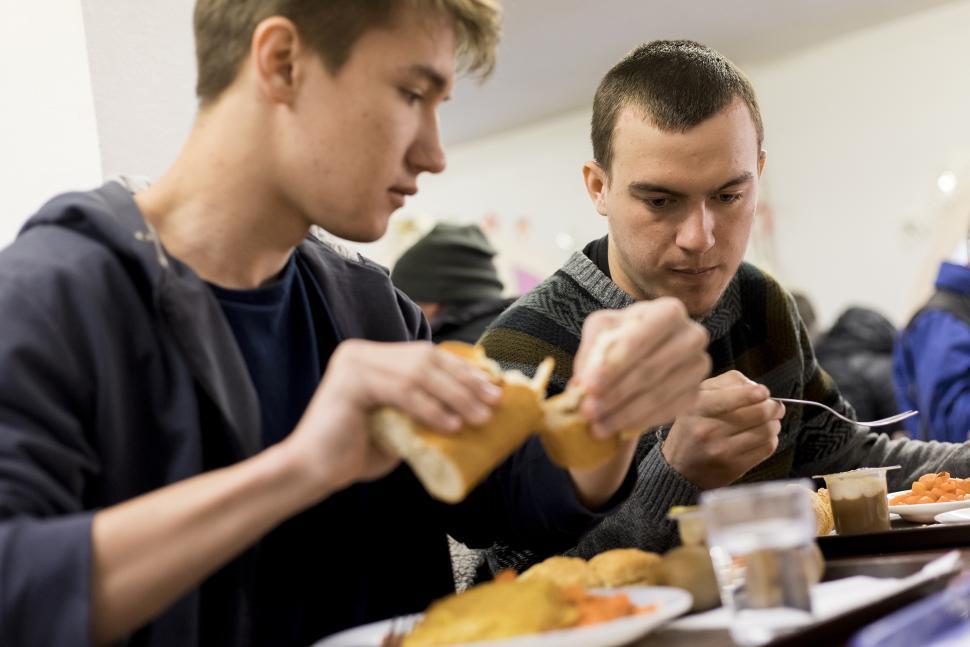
pixel 858 130
pixel 47 123
pixel 533 172
pixel 143 69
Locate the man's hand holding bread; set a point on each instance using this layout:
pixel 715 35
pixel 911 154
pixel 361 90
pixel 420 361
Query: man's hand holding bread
pixel 635 368
pixel 429 385
pixel 454 415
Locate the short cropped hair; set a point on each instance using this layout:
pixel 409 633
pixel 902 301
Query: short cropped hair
pixel 224 31
pixel 675 83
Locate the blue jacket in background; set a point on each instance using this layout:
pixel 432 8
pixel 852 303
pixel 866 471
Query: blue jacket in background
pixel 931 367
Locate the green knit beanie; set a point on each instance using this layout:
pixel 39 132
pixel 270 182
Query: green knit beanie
pixel 451 264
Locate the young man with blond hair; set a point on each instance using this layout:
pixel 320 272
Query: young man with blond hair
pixel 186 378
pixel 678 153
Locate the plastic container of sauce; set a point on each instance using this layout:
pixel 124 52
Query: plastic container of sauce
pixel 859 499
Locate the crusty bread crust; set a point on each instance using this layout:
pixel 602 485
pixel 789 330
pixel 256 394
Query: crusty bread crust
pixel 450 465
pixel 565 434
pixel 627 567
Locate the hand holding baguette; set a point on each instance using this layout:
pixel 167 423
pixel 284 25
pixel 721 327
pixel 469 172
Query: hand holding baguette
pixel 636 368
pixel 450 465
pixel 436 389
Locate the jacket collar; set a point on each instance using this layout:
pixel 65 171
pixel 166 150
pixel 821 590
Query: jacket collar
pixel 186 308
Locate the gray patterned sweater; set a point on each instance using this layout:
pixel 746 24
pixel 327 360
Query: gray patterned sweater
pixel 754 329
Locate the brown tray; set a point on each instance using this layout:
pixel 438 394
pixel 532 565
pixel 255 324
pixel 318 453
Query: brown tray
pixel 904 536
pixel 836 630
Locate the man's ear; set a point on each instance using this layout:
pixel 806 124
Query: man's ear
pixel 275 51
pixel 762 158
pixel 597 183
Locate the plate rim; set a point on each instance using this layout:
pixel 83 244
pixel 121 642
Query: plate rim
pixel 679 602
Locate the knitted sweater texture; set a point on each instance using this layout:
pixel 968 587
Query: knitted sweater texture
pixel 755 329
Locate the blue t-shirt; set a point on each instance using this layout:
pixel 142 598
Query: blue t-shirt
pixel 286 336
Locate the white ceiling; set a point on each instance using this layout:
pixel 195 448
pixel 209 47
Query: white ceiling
pixel 551 57
pixel 554 52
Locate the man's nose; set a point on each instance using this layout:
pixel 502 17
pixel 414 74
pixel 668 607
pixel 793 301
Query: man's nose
pixel 427 153
pixel 696 232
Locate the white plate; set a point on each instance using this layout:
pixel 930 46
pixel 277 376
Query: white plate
pixel 954 516
pixel 670 603
pixel 925 512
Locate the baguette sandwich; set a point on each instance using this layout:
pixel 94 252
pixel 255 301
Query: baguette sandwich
pixel 451 465
pixel 565 432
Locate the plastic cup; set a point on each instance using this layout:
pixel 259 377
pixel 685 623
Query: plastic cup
pixel 761 541
pixel 859 499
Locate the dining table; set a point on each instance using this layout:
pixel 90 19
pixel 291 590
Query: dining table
pixel 897 553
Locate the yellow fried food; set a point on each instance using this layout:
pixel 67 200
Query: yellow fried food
pixel 564 571
pixel 492 611
pixel 936 487
pixel 626 566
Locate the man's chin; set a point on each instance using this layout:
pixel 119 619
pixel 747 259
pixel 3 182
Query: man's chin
pixel 363 231
pixel 698 305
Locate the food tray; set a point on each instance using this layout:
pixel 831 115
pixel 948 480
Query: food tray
pixel 904 536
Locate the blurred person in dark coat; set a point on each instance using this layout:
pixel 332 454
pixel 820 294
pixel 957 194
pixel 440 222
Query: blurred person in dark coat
pixel 857 352
pixel 450 274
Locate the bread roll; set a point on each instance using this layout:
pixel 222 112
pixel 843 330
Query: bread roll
pixel 451 465
pixel 690 568
pixel 564 571
pixel 627 567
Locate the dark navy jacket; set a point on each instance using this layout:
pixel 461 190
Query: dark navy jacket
pixel 119 375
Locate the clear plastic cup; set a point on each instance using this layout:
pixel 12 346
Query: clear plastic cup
pixel 761 542
pixel 859 499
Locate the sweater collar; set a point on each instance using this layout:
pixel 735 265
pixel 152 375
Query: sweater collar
pixel 608 294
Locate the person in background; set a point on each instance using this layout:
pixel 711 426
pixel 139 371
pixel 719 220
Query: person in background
pixel 931 368
pixel 678 152
pixel 187 377
pixel 450 274
pixel 857 352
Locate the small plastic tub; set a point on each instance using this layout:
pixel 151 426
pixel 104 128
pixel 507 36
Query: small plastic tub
pixel 859 499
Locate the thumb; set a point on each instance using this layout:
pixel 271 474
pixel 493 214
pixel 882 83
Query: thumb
pixel 590 354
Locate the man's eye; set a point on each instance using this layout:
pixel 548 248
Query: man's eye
pixel 410 95
pixel 657 203
pixel 728 198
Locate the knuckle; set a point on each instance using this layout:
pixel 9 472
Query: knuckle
pixel 595 319
pixel 672 307
pixel 699 337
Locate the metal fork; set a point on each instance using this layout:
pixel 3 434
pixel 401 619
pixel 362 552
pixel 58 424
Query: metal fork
pixel 872 423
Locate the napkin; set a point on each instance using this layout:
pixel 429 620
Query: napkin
pixel 830 599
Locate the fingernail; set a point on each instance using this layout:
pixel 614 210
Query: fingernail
pixel 480 415
pixel 598 431
pixel 452 423
pixel 492 392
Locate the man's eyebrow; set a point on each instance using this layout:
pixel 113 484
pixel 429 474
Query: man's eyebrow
pixel 744 177
pixel 430 74
pixel 649 187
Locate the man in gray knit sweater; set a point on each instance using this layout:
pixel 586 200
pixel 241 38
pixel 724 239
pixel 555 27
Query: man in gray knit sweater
pixel 677 143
